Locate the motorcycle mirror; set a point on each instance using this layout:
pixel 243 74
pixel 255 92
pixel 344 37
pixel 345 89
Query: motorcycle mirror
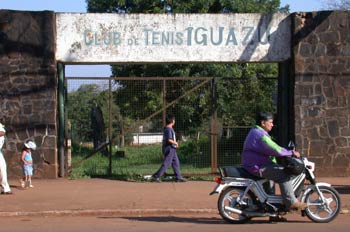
pixel 291 145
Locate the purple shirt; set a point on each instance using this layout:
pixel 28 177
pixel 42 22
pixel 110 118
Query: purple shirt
pixel 168 133
pixel 257 149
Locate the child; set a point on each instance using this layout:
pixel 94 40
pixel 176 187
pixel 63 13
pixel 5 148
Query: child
pixel 27 160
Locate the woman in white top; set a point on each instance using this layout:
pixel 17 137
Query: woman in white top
pixel 5 188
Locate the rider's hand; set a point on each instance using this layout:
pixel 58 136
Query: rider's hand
pixel 296 154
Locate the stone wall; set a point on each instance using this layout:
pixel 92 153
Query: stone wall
pixel 28 88
pixel 322 89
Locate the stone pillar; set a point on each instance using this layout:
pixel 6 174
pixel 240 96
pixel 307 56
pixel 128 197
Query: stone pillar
pixel 28 89
pixel 321 55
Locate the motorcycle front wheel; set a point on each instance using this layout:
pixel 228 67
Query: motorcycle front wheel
pixel 228 203
pixel 322 210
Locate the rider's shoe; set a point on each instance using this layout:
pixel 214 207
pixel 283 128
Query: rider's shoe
pixel 277 219
pixel 298 205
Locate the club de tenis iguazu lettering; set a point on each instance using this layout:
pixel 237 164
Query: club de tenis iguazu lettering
pixel 190 36
pixel 157 38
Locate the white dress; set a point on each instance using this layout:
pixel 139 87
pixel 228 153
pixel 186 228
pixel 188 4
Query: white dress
pixel 3 172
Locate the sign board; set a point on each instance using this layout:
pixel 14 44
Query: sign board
pixel 173 38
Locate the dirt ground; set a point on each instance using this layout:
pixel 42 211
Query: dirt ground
pixel 111 197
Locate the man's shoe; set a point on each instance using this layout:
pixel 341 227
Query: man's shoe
pixel 181 180
pixel 298 205
pixel 155 179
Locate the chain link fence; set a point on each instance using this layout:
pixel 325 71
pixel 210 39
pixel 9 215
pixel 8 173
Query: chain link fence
pixel 118 122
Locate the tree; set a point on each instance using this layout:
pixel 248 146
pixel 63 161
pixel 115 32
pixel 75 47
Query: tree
pixel 241 98
pixel 185 6
pixel 337 4
pixel 80 104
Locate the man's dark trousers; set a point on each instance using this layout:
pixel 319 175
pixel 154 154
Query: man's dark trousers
pixel 170 158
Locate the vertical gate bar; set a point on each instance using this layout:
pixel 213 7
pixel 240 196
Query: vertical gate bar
pixel 61 118
pixel 67 129
pixel 164 101
pixel 214 128
pixel 110 127
pixel 214 147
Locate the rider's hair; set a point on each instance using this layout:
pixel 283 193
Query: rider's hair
pixel 262 117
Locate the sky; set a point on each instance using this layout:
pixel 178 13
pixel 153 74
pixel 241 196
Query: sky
pixel 79 6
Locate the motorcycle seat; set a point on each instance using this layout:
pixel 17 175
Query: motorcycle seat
pixel 238 171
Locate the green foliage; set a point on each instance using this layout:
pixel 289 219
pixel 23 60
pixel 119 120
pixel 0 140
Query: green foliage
pixel 138 93
pixel 238 88
pixel 79 105
pixel 239 101
pixel 185 6
pixel 195 152
pixel 251 6
pixel 337 4
pixel 79 108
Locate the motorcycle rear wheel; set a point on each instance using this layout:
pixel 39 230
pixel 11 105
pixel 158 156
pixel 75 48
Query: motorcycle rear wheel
pixel 228 198
pixel 319 211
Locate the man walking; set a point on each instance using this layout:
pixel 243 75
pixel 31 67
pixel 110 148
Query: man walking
pixel 169 146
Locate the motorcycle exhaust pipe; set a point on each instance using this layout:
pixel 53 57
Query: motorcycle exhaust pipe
pixel 233 210
pixel 248 214
pixel 257 214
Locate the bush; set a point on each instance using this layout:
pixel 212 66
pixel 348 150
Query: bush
pixel 195 153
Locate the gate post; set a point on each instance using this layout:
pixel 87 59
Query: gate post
pixel 61 118
pixel 285 117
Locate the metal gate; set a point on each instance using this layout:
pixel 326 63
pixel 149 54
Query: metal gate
pixel 118 122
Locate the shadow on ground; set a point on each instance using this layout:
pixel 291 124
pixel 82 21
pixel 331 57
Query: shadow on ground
pixel 198 220
pixel 342 189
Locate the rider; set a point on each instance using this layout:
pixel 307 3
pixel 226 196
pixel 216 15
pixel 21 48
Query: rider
pixel 256 159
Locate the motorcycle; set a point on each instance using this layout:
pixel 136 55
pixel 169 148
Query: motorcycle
pixel 243 196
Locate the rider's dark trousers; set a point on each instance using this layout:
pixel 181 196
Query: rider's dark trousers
pixel 276 173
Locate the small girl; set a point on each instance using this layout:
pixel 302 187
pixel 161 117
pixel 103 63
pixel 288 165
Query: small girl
pixel 27 161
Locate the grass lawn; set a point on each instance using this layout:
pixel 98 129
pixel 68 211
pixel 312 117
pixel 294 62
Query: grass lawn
pixel 138 162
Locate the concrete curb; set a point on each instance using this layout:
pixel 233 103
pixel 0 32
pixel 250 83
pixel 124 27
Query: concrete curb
pixel 118 213
pixel 107 212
